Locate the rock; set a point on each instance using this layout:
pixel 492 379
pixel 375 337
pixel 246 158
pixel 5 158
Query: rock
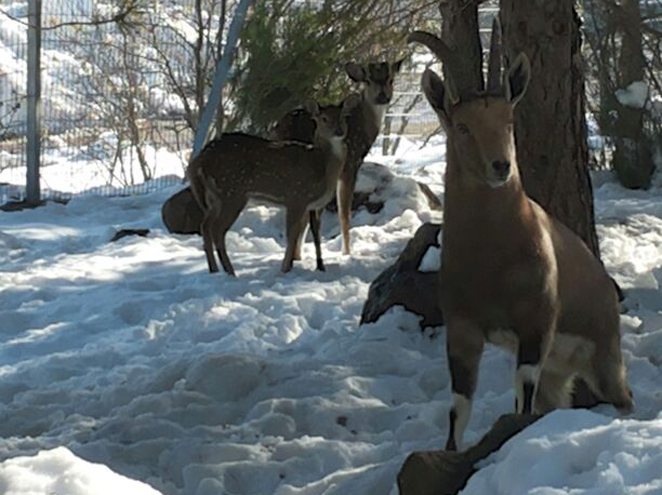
pixel 181 213
pixel 440 472
pixel 128 232
pixel 403 284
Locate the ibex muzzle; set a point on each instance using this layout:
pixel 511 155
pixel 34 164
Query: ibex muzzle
pixel 510 273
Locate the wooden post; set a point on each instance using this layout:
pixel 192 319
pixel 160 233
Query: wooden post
pixel 33 144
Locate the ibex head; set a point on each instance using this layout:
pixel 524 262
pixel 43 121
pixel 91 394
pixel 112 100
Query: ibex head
pixel 377 79
pixel 478 124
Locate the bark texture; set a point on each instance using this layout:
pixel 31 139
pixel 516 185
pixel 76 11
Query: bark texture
pixel 551 127
pixel 632 160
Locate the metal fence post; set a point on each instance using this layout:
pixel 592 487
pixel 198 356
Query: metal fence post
pixel 220 76
pixel 33 142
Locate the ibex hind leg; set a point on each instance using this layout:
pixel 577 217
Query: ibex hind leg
pixel 532 351
pixel 609 382
pixel 315 223
pixel 464 347
pixel 344 196
pixel 295 223
pixel 554 391
pixel 229 212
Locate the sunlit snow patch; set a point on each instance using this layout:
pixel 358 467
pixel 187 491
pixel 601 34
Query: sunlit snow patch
pixel 58 471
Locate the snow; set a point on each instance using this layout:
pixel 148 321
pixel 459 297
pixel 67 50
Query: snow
pixel 59 471
pixel 431 261
pixel 576 452
pixel 635 95
pixel 130 355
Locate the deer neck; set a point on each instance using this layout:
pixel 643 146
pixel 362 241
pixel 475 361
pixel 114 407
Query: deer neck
pixel 373 113
pixel 333 152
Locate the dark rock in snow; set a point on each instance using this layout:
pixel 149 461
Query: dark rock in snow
pixel 439 472
pixel 127 232
pixel 403 284
pixel 181 213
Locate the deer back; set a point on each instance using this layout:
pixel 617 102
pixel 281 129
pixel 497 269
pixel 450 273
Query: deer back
pixel 248 166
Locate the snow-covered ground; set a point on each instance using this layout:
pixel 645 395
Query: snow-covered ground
pixel 126 366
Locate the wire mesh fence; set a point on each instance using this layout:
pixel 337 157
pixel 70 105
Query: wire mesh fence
pixel 119 99
pixel 108 127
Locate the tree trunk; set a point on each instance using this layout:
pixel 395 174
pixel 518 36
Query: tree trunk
pixel 632 160
pixel 551 128
pixel 459 29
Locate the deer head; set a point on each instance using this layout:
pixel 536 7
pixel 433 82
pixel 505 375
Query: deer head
pixel 377 79
pixel 331 120
pixel 478 124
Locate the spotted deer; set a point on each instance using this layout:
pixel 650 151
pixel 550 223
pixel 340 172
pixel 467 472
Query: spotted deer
pixel 364 124
pixel 238 167
pixel 511 274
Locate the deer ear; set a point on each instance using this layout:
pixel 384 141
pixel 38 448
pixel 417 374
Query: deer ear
pixel 436 94
pixel 518 78
pixel 355 72
pixel 311 107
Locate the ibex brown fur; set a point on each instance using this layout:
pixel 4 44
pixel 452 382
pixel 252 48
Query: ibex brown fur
pixel 510 273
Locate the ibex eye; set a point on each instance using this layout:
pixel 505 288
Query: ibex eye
pixel 463 129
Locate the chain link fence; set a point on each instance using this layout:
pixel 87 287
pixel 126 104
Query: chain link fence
pixel 108 126
pixel 119 99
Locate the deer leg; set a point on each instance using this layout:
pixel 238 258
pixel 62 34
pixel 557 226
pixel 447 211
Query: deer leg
pixel 295 221
pixel 315 221
pixel 229 212
pixel 207 229
pixel 299 245
pixel 344 196
pixel 464 347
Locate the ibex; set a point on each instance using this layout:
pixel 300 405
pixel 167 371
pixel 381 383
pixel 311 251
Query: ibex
pixel 510 273
pixel 237 167
pixel 364 124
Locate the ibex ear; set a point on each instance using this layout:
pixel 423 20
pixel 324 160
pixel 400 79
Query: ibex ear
pixel 351 102
pixel 436 94
pixel 311 107
pixel 395 67
pixel 355 72
pixel 518 78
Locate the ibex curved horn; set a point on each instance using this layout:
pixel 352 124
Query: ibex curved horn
pixel 444 53
pixel 435 44
pixel 494 61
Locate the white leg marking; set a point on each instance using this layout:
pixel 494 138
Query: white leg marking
pixel 462 407
pixel 526 373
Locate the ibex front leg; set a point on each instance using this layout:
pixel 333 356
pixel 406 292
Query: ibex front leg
pixel 532 350
pixel 464 347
